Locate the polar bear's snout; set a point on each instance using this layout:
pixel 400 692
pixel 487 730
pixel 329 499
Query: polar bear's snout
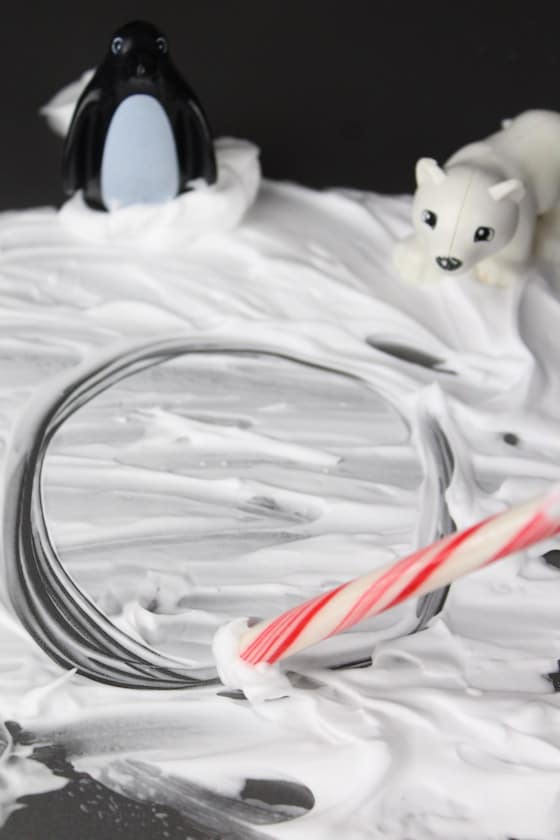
pixel 449 263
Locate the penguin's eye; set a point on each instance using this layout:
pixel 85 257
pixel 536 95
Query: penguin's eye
pixel 117 45
pixel 429 218
pixel 483 234
pixel 161 44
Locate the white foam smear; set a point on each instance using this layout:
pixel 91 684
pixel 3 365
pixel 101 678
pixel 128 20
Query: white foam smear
pixel 217 487
pixel 59 110
pixel 260 683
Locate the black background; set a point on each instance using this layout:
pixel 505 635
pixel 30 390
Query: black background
pixel 335 92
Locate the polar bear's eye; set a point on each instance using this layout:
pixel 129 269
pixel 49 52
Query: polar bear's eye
pixel 429 218
pixel 483 234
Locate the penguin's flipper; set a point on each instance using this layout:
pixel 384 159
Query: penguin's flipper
pixel 77 149
pixel 202 144
pixel 193 138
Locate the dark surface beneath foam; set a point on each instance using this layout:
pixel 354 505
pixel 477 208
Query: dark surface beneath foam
pixel 552 558
pixel 412 355
pixel 88 809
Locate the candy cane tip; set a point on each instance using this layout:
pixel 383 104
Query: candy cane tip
pixel 258 682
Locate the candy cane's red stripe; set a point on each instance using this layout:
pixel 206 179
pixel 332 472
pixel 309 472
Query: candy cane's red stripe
pixel 300 626
pixel 374 592
pixel 262 643
pixel 434 563
pixel 265 640
pixel 538 528
pixel 378 588
pixel 297 620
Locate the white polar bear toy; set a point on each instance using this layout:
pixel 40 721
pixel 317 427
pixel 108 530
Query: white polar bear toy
pixel 480 211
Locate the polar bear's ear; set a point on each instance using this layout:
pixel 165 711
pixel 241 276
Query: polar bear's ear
pixel 428 172
pixel 512 189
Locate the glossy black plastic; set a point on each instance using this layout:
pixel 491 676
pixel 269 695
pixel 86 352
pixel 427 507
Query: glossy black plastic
pixel 137 62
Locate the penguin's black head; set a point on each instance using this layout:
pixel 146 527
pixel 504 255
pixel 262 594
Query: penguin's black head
pixel 138 49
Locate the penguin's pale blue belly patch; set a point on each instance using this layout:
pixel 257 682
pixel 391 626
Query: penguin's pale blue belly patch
pixel 140 163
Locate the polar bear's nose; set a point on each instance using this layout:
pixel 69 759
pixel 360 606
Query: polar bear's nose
pixel 449 263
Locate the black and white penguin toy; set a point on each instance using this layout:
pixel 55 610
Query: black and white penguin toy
pixel 139 134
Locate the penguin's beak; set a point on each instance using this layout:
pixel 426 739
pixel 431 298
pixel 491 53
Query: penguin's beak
pixel 145 65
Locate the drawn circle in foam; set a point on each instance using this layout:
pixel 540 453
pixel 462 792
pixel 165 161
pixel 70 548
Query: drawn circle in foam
pixel 161 491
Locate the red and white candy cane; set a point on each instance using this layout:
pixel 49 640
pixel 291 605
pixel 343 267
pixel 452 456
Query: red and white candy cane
pixel 424 571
